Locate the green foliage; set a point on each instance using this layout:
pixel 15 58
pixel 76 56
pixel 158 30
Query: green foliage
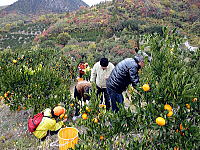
pixel 154 29
pixel 39 77
pixel 63 38
pixel 87 35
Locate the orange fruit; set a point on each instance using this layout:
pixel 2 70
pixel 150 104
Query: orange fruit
pixel 101 137
pixel 72 105
pixel 61 116
pixel 6 95
pixel 102 106
pixel 170 113
pixel 168 107
pixel 160 121
pixel 65 116
pixel 146 87
pixel 14 61
pixel 176 148
pixel 80 79
pixel 87 109
pixel 194 99
pixel 181 127
pixel 84 116
pixel 95 120
pixel 188 106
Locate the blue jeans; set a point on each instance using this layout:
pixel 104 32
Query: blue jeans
pixel 115 98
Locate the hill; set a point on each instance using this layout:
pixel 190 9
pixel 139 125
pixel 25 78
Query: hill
pixel 102 21
pixel 136 16
pixel 2 7
pixel 44 6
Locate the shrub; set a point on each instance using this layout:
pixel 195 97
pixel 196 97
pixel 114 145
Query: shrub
pixel 63 38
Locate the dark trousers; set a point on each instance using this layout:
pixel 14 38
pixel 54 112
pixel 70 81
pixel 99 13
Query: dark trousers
pixel 76 94
pixel 78 97
pixel 103 91
pixel 49 133
pixel 115 98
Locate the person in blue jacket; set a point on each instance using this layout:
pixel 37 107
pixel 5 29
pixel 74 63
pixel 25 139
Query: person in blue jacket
pixel 125 73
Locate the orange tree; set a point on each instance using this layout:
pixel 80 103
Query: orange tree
pixel 172 81
pixel 35 79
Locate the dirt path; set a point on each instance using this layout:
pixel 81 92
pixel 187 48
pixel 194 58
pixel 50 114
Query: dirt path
pixel 13 127
pixel 14 134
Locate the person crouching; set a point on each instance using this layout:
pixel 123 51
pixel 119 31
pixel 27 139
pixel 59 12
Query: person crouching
pixel 81 92
pixel 49 125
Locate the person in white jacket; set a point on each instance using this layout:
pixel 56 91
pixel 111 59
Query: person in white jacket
pixel 100 73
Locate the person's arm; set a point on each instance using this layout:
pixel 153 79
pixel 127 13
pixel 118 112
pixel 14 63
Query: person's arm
pixel 133 72
pixel 57 126
pixel 93 73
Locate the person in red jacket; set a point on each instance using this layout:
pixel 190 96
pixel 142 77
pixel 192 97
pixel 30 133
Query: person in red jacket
pixel 81 68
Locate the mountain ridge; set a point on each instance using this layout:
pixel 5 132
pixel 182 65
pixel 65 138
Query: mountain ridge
pixel 44 6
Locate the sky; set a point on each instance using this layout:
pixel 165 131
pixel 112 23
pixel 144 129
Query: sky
pixel 89 2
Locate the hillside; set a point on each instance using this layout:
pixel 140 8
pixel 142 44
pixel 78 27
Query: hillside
pixel 104 21
pixel 44 6
pixel 2 7
pixel 136 16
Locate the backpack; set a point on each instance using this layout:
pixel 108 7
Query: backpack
pixel 34 121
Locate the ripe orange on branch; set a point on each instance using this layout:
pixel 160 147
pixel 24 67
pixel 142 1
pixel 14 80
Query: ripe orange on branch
pixel 95 120
pixel 101 137
pixel 160 121
pixel 168 107
pixel 188 106
pixel 84 116
pixel 170 113
pixel 87 109
pixel 14 61
pixel 146 87
pixel 194 99
pixel 102 106
pixel 72 105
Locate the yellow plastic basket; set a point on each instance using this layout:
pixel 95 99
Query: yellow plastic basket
pixel 67 137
